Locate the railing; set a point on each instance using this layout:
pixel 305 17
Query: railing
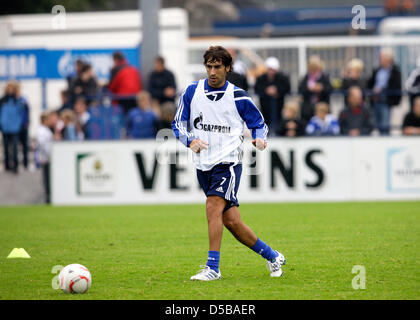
pixel 293 53
pixel 337 103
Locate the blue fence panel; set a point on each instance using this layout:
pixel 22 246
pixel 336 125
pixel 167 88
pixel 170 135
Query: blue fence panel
pixel 105 123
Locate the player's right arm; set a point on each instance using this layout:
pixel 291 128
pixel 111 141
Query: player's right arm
pixel 182 118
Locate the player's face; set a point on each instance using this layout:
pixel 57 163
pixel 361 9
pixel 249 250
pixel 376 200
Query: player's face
pixel 216 73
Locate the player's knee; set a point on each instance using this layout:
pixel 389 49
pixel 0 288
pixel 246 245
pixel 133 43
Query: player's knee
pixel 231 223
pixel 215 205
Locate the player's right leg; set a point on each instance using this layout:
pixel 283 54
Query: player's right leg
pixel 214 211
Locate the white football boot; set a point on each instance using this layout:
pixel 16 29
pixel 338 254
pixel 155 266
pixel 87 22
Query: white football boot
pixel 275 265
pixel 207 274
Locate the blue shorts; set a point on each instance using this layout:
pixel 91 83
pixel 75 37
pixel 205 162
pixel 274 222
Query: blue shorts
pixel 223 181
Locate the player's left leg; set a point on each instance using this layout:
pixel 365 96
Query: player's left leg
pixel 244 234
pixel 233 222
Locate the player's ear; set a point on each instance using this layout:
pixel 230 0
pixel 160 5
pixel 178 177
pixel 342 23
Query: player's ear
pixel 228 68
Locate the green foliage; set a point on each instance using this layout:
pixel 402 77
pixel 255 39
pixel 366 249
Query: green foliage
pixel 45 6
pixel 150 252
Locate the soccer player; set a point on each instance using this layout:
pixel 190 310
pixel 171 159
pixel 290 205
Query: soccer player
pixel 210 121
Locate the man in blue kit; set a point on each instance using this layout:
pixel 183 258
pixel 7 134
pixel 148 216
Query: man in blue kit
pixel 210 121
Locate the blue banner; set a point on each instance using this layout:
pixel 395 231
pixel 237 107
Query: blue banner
pixel 22 64
pixel 59 64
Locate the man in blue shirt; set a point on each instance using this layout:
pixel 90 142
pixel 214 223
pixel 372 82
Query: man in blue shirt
pixel 210 121
pixel 323 123
pixel 14 117
pixel 142 121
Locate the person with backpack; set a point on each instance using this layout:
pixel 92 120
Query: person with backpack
pixel 13 109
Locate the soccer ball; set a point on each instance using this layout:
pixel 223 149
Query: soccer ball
pixel 75 278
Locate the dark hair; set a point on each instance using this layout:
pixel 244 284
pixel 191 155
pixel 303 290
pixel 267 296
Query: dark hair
pixel 218 53
pixel 81 99
pixel 80 62
pixel 119 56
pixel 160 59
pixel 86 67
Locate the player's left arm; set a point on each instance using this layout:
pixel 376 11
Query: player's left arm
pixel 252 117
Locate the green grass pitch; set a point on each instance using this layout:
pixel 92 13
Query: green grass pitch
pixel 150 252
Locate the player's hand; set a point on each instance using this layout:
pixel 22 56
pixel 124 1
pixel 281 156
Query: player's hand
pixel 260 144
pixel 197 145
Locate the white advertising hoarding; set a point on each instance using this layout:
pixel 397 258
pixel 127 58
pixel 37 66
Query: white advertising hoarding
pixel 307 169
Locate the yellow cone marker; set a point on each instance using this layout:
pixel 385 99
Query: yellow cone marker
pixel 18 253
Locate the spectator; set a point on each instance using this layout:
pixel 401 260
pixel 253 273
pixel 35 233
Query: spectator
pixel 162 85
pixel 167 114
pixel 412 84
pixel 392 7
pixel 65 101
pixel 353 76
pixel 69 132
pixel 323 123
pixel 411 124
pixel 56 124
pixel 272 87
pixel 85 85
pixel 238 75
pixel 82 117
pixel 385 84
pixel 142 121
pixel 44 139
pixel 24 133
pixel 408 8
pixel 125 81
pixel 314 87
pixel 291 125
pixel 238 64
pixel 355 119
pixel 75 74
pixel 14 122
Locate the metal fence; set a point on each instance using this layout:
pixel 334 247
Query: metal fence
pixel 336 52
pixel 294 52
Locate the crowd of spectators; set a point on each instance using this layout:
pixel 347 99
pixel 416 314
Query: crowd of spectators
pixel 123 109
pixel 368 101
pixel 119 109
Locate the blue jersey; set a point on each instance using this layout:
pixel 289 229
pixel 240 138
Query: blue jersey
pixel 217 116
pixel 141 124
pixel 327 127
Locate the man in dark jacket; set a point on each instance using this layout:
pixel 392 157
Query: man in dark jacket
pixel 314 87
pixel 385 86
pixel 272 87
pixel 162 84
pixel 85 85
pixel 238 80
pixel 238 74
pixel 411 123
pixel 355 119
